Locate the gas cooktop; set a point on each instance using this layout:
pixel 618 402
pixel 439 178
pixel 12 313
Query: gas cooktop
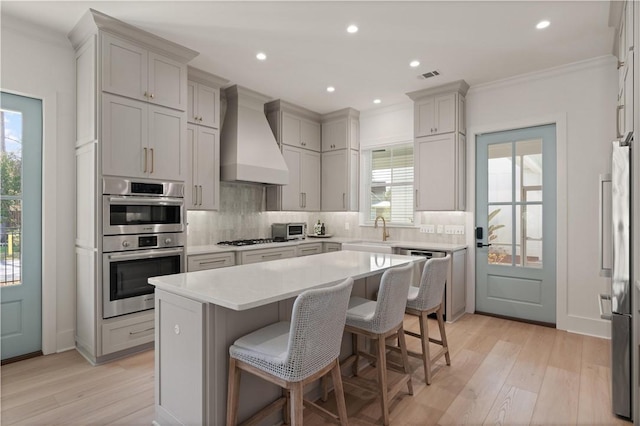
pixel 251 242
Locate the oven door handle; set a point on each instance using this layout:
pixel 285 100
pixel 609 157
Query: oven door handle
pixel 146 254
pixel 160 201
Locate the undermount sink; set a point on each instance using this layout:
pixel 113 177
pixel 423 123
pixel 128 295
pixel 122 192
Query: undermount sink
pixel 369 246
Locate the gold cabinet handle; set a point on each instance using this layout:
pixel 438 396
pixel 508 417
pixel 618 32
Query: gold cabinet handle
pixel 145 160
pixel 146 94
pixel 618 109
pixel 620 64
pixel 152 96
pixel 151 149
pixel 200 194
pixel 194 195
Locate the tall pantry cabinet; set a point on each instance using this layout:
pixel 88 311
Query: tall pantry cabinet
pixel 440 147
pixel 131 97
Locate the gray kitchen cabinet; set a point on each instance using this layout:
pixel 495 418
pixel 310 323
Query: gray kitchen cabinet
pixel 263 255
pixel 308 249
pixel 133 71
pixel 341 130
pixel 203 97
pixel 329 247
pixel 121 333
pixel 340 180
pixel 142 140
pixel 202 186
pixel 456 293
pixel 440 147
pixel 297 131
pixel 201 262
pixel 625 54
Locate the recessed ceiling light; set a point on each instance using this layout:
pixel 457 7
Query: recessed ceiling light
pixel 543 24
pixel 414 63
pixel 352 29
pixel 331 89
pixel 376 101
pixel 261 56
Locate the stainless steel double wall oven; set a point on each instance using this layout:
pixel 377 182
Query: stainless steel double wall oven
pixel 143 235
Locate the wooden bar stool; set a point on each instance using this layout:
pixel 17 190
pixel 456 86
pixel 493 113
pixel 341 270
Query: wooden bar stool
pixel 427 299
pixel 378 320
pixel 292 354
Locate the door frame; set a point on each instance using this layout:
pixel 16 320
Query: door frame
pixel 49 204
pixel 560 120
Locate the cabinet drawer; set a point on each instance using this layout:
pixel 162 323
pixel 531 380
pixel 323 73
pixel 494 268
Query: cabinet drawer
pixel 308 249
pixel 328 247
pixel 200 262
pixel 124 333
pixel 264 255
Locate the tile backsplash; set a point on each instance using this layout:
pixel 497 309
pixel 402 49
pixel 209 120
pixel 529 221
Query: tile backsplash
pixel 242 215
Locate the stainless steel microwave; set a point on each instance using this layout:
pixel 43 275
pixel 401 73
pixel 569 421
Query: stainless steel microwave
pixel 288 231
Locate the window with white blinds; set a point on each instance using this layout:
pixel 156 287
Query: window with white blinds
pixel 390 182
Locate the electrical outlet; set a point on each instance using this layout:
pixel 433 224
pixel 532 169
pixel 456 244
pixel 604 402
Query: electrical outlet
pixel 449 229
pixel 346 226
pixel 459 230
pixel 440 229
pixel 427 229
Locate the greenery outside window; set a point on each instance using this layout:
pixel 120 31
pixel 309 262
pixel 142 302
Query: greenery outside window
pixel 388 174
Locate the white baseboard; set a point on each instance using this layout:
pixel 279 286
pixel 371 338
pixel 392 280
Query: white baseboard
pixel 66 340
pixel 589 326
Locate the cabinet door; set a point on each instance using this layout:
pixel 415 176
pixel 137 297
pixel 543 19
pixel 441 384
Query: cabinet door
pixel 435 165
pixel 310 135
pixel 192 107
pixel 208 102
pixel 208 168
pixel 354 133
pixel 334 135
pixel 354 167
pixel 445 114
pixel 191 181
pixel 167 82
pixel 424 113
pixel 334 181
pixel 290 130
pixel 291 193
pixel 124 67
pixel 462 116
pixel 167 153
pixel 628 95
pixel 124 137
pixel 201 262
pixel 310 180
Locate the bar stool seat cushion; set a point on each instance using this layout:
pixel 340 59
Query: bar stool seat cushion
pixel 268 344
pixel 413 293
pixel 360 311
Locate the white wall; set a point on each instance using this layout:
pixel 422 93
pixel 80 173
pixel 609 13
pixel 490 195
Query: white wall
pixel 40 64
pixel 581 99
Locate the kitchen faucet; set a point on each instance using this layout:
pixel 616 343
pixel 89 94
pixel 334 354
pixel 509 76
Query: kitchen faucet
pixel 385 234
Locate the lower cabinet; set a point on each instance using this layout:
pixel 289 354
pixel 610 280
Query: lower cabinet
pixel 309 249
pixel 200 262
pixel 126 332
pixel 340 180
pixel 264 255
pixel 328 247
pixel 457 292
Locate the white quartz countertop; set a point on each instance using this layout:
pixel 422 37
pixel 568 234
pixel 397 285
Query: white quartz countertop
pixel 419 245
pixel 248 286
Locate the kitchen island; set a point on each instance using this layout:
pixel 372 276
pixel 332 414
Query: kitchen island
pixel 200 314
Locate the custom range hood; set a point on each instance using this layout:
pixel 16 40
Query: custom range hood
pixel 248 150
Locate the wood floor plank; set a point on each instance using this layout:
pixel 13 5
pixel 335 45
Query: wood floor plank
pixel 512 406
pixel 594 387
pixel 596 351
pixel 531 364
pixel 557 402
pixel 474 402
pixel 567 351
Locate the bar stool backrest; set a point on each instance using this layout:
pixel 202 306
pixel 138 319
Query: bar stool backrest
pixel 392 299
pixel 317 325
pixel 432 282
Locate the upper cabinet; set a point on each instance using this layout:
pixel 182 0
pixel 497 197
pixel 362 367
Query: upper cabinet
pixel 439 147
pixel 297 131
pixel 625 53
pixel 203 98
pixel 130 70
pixel 341 130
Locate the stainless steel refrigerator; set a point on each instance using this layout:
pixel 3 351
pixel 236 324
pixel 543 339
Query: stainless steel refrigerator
pixel 621 291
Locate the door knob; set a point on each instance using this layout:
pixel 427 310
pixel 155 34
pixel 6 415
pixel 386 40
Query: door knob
pixel 480 245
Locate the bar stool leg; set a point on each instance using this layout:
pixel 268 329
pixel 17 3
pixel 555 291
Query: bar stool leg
pixel 426 357
pixel 382 380
pixel 296 404
pixel 443 334
pixel 356 351
pixel 286 418
pixel 339 391
pixel 233 393
pixel 405 358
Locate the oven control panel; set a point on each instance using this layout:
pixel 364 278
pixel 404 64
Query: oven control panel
pixel 112 243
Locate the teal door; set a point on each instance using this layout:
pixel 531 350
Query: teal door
pixel 516 209
pixel 21 225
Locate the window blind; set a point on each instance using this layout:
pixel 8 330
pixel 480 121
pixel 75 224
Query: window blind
pixel 391 184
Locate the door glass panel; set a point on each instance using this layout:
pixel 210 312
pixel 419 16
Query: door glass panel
pixel 499 172
pixel 528 171
pixel 532 235
pixel 499 235
pixel 11 197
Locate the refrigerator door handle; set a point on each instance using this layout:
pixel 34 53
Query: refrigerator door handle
pixel 601 299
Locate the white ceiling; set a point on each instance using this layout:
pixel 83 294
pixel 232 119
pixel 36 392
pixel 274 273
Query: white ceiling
pixel 308 47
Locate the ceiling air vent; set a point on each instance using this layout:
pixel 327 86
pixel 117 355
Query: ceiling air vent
pixel 430 74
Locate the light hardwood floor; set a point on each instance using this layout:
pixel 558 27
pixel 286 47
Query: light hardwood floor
pixel 502 372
